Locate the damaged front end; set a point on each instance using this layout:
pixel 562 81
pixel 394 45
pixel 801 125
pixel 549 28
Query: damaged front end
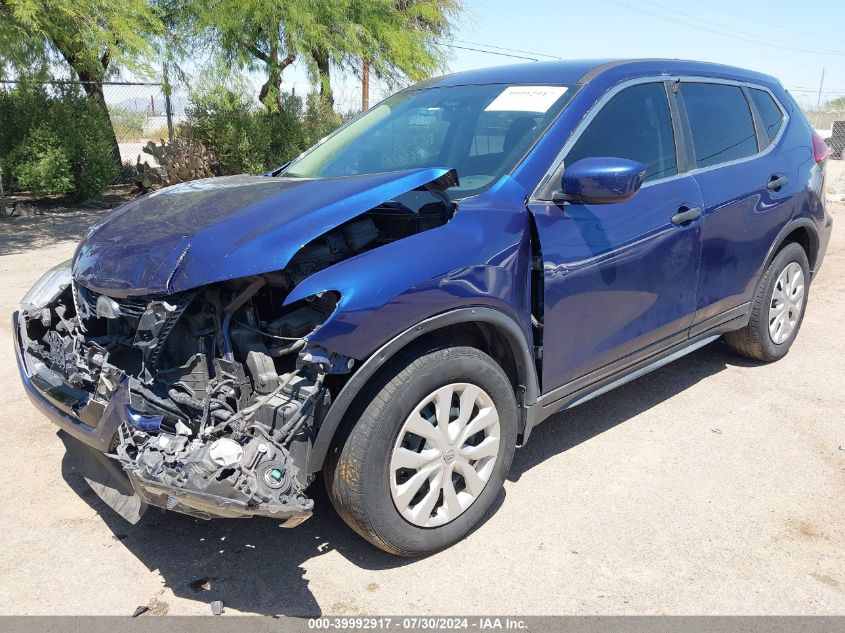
pixel 214 410
pixel 209 398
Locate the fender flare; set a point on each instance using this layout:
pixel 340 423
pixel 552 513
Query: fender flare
pixel 801 222
pixel 527 372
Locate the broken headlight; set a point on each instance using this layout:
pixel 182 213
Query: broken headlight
pixel 49 287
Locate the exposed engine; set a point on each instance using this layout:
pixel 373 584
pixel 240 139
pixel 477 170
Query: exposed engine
pixel 219 403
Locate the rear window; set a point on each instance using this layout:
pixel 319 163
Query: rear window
pixel 769 112
pixel 720 122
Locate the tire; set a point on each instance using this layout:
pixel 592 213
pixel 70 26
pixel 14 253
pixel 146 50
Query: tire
pixel 756 340
pixel 359 475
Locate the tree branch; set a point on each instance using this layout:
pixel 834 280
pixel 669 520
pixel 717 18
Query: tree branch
pixel 252 48
pixel 287 61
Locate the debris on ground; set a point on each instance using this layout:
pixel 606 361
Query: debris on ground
pixel 201 584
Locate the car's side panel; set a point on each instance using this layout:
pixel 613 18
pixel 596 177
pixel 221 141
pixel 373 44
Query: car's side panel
pixel 618 277
pixel 741 220
pixel 630 367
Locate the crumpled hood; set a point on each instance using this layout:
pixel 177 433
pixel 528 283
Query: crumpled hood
pixel 205 231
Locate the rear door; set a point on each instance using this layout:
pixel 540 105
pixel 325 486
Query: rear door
pixel 744 185
pixel 619 277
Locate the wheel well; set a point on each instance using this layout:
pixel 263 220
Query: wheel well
pixel 482 336
pixel 805 239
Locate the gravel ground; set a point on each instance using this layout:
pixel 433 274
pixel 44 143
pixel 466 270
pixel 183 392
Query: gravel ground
pixel 712 486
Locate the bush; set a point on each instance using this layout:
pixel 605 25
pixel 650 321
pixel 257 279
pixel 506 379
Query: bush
pixel 242 137
pixel 40 163
pixel 55 142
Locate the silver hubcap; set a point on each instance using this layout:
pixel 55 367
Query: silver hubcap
pixel 444 454
pixel 786 304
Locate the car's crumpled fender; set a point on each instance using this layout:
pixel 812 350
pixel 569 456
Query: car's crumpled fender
pixel 480 257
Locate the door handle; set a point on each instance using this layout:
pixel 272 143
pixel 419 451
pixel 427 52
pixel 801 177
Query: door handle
pixel 776 182
pixel 685 215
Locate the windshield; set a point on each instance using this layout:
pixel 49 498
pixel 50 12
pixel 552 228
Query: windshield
pixel 483 131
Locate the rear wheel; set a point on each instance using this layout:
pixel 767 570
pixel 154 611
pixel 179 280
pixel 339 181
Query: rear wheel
pixel 778 307
pixel 429 454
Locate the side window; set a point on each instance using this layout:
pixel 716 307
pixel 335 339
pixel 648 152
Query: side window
pixel 720 122
pixel 769 111
pixel 635 124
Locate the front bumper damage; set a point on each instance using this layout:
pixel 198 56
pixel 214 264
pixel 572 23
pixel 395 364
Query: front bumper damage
pixel 214 481
pixel 208 439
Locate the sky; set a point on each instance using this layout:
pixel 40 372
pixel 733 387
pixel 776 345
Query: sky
pixel 791 40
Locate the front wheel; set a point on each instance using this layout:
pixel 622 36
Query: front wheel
pixel 778 307
pixel 429 454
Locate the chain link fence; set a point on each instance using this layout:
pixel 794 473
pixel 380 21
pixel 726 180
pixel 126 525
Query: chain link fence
pixel 835 180
pixel 140 113
pixel 830 123
pixel 824 118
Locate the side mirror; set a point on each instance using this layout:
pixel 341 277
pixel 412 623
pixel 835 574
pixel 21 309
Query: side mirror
pixel 600 180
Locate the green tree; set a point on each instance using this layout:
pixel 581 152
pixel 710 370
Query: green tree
pixel 398 37
pixel 91 36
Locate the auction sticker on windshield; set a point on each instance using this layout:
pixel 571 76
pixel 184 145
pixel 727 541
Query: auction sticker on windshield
pixel 526 99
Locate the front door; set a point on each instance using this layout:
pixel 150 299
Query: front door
pixel 620 277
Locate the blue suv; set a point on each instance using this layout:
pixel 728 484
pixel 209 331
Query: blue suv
pixel 402 304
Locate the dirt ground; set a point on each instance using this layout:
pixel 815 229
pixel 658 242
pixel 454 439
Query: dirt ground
pixel 712 486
